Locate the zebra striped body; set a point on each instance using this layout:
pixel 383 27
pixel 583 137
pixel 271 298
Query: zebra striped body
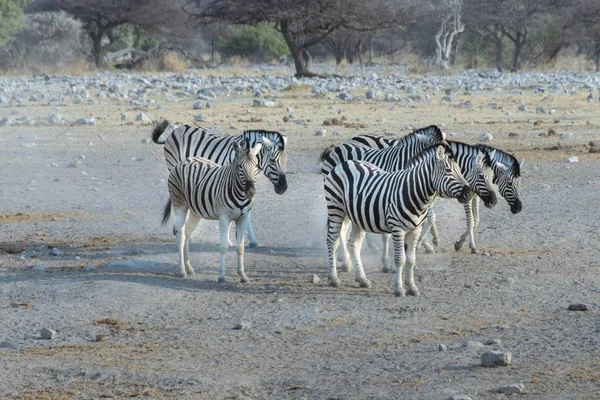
pixel 506 176
pixel 200 188
pixel 391 158
pixel 193 141
pixel 377 201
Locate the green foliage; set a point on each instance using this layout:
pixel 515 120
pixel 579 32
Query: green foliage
pixel 11 18
pixel 258 43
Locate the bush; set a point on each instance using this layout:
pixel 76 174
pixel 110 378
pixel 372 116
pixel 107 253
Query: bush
pixel 258 43
pixel 47 41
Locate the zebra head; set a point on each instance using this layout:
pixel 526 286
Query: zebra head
pixel 272 158
pixel 246 160
pixel 480 176
pixel 429 136
pixel 447 179
pixel 508 181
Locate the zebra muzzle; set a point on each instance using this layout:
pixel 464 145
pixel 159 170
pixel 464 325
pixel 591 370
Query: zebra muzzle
pixel 465 195
pixel 490 201
pixel 516 207
pixel 250 190
pixel 281 185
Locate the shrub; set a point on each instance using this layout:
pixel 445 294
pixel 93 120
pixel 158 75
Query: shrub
pixel 257 43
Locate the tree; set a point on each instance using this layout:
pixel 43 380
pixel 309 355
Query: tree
pixel 11 15
pixel 100 18
pixel 301 23
pixel 450 26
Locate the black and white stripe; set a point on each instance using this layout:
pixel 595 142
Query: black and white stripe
pixel 395 203
pixel 194 141
pixel 200 188
pixel 506 176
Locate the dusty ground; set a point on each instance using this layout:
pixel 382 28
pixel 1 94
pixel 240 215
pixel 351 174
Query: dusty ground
pixel 133 329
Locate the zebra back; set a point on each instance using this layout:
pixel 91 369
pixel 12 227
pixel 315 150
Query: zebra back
pixel 430 135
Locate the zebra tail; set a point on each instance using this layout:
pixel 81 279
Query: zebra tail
pixel 166 213
pixel 319 167
pixel 158 130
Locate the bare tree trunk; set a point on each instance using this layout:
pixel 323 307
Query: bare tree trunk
pixel 516 65
pixel 451 26
pixel 98 50
pixel 295 51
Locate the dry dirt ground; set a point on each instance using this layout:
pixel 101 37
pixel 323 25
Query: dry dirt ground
pixel 134 329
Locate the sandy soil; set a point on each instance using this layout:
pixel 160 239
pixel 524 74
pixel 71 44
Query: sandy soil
pixel 128 327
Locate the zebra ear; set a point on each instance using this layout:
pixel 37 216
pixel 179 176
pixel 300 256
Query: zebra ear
pixel 255 150
pixel 267 143
pixel 501 166
pixel 236 146
pixel 284 140
pixel 440 152
pixel 479 158
pixel 521 163
pixel 492 154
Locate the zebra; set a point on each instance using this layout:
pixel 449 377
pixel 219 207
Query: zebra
pixel 195 141
pixel 507 173
pixel 394 158
pixel 394 203
pixel 389 159
pixel 200 188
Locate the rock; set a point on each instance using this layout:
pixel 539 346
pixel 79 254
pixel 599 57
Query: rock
pixel 142 117
pixel 315 279
pixel 573 159
pixel 540 110
pixel 594 144
pixel 446 100
pixel 565 135
pixel 543 186
pixel 512 389
pixel 522 107
pixel 211 104
pixel 198 105
pixel 594 150
pixel 343 96
pixel 47 334
pixel 472 343
pixel 200 118
pixel 465 104
pixel 538 123
pixel 513 134
pixel 286 118
pixel 40 268
pixel 460 397
pixel 495 358
pixel 15 247
pixel 486 137
pixel 551 132
pixel 578 307
pixel 85 121
pixel 6 121
pixel 321 132
pixel 206 94
pixel 442 347
pixel 145 141
pixel 54 119
pixel 56 252
pixel 493 341
pixel 369 94
pixel 590 97
pixel 74 164
pixel 242 326
pixel 123 117
pixel 263 103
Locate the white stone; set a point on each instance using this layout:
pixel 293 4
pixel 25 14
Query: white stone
pixel 321 132
pixel 486 137
pixel 565 135
pixel 495 358
pixel 142 117
pixel 512 389
pixel 573 159
pixel 47 334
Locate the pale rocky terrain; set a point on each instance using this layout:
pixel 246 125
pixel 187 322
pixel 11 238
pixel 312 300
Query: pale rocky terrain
pixel 84 254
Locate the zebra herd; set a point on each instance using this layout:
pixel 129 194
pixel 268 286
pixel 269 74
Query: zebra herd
pixel 372 184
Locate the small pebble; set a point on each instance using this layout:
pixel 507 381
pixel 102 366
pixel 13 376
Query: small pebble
pixel 512 389
pixel 495 358
pixel 47 334
pixel 578 307
pixel 315 279
pixel 242 326
pixel 442 347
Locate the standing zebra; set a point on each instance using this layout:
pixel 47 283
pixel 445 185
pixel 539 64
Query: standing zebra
pixel 200 188
pixel 193 141
pixel 507 173
pixel 393 158
pixel 395 203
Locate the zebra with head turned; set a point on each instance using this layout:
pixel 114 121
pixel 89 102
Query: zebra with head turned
pixel 507 173
pixel 194 141
pixel 395 203
pixel 200 188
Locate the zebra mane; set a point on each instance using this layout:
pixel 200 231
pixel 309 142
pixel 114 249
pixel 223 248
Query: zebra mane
pixel 426 153
pixel 487 160
pixel 273 136
pixel 505 158
pixel 431 130
pixel 326 152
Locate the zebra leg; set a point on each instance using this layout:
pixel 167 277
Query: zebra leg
pixel 411 251
pixel 179 228
pixel 468 233
pixel 241 226
pixel 190 227
pixel 385 255
pixel 355 244
pixel 371 242
pixel 422 240
pixel 399 260
pixel 229 227
pixel 253 243
pixel 334 225
pixel 224 245
pixel 475 206
pixel 342 252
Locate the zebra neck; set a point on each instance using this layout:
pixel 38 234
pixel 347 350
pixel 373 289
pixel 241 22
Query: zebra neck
pixel 420 175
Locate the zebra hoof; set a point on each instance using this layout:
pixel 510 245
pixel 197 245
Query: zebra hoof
pixel 429 250
pixel 457 246
pixel 385 269
pixel 400 293
pixel 253 245
pixel 435 242
pixel 244 279
pixel 348 268
pixel 335 282
pixel 474 251
pixel 182 275
pixel 364 283
pixel 414 292
pixel 222 280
